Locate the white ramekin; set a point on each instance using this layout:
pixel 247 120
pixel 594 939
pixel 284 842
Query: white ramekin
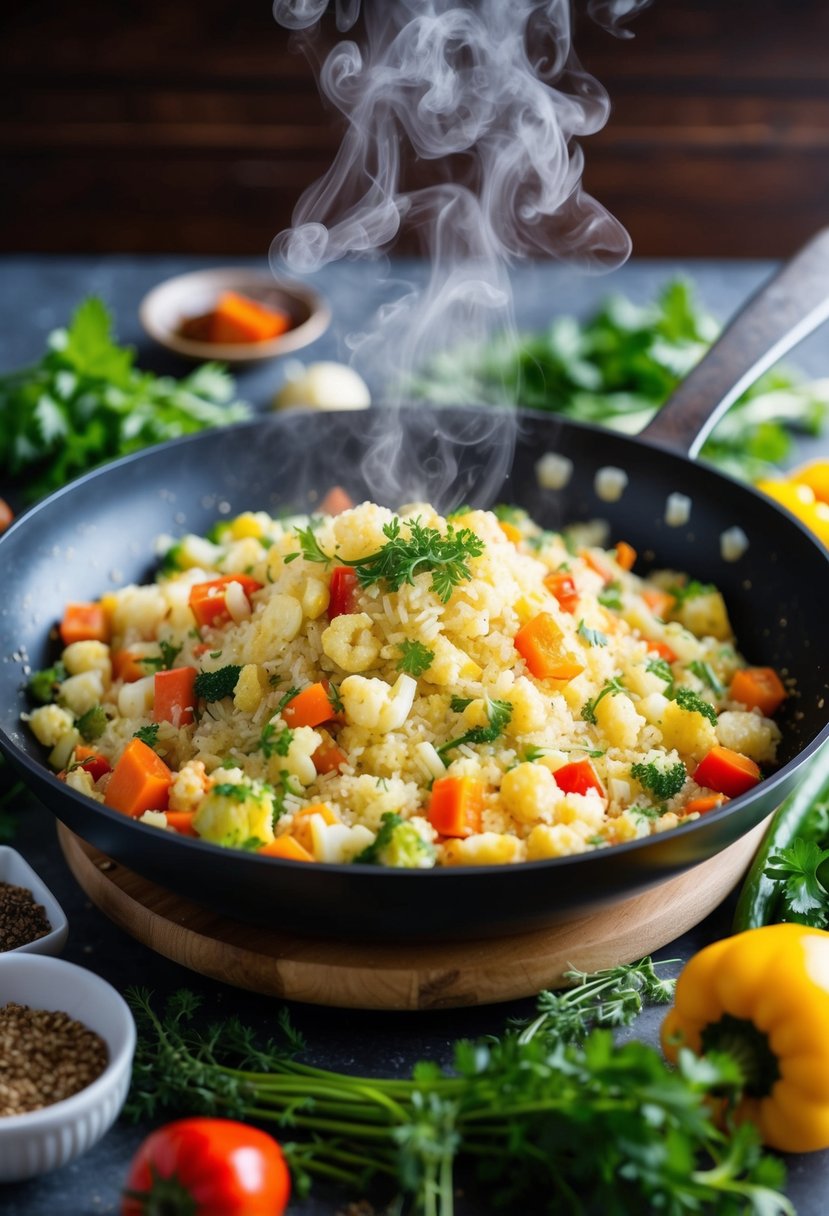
pixel 44 1139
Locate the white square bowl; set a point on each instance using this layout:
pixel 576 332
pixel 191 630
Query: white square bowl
pixel 14 870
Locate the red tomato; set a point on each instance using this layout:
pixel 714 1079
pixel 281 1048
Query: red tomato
pixel 207 1167
pixel 343 591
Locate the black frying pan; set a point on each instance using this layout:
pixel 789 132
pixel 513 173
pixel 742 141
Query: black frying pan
pixel 103 527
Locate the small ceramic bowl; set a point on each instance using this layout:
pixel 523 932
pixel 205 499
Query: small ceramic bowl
pixel 176 300
pixel 14 870
pixel 44 1139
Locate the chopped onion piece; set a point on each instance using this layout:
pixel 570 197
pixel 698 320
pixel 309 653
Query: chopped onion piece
pixel 610 483
pixel 552 471
pixel 733 544
pixel 677 510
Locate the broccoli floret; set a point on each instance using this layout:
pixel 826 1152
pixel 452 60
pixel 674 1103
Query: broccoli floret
pixel 92 724
pixel 43 684
pixel 398 844
pixel 213 685
pixel 662 781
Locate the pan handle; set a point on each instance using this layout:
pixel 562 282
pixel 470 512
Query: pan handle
pixel 782 313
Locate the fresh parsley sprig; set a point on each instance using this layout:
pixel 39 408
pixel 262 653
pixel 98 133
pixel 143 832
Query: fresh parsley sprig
pixel 445 555
pixel 84 402
pixel 525 1109
pixel 415 658
pixel 802 869
pixel 499 714
pixel 610 689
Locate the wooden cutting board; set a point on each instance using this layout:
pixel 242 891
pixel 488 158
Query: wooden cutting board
pixel 401 976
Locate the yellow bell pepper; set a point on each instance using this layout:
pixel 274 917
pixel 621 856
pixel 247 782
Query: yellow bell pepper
pixel 799 498
pixel 763 997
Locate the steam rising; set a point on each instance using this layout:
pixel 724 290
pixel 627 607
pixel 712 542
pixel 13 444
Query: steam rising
pixel 487 97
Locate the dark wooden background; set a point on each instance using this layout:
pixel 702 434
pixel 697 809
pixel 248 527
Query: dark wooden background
pixel 192 125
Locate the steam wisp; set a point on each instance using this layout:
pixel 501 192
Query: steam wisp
pixel 488 98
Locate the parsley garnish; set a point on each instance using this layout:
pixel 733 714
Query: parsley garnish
pixel 272 743
pixel 613 686
pixel 499 714
pixel 459 704
pixel 661 668
pixel 213 685
pixel 611 597
pixel 593 637
pixel 229 789
pixel 415 658
pixel 288 696
pixel 686 698
pixel 400 559
pixel 334 698
pixel 689 591
pixel 662 782
pixel 164 661
pixel 147 734
pixel 310 547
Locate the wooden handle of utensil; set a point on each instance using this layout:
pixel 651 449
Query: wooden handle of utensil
pixel 782 313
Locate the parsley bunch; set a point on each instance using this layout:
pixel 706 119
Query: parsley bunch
pixel 402 557
pixel 616 367
pixel 85 403
pixel 552 1116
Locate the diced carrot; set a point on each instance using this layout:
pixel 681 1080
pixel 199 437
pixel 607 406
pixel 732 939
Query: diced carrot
pixel 237 318
pixel 456 805
pixel 342 591
pixel 182 822
pixel 301 825
pixel 285 847
pixel 726 771
pixel 701 806
pixel 174 696
pixel 510 531
pixel 625 555
pixel 92 762
pixel 541 644
pixel 578 777
pixel 311 707
pixel 598 565
pixel 127 666
pixel 328 758
pixel 659 602
pixel 658 647
pixel 336 501
pixel 6 515
pixel 200 648
pixel 758 688
pixel 207 600
pixel 140 781
pixel 84 622
pixel 561 586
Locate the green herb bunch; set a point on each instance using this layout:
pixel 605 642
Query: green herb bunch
pixel 551 1116
pixel 617 367
pixel 85 402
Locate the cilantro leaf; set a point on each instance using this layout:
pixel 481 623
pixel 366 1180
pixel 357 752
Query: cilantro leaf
pixel 499 714
pixel 415 658
pixel 804 895
pixel 613 686
pixel 593 637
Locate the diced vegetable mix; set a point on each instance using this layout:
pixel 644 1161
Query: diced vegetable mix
pixel 406 690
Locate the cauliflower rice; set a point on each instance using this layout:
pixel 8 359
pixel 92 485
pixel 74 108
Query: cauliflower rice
pixel 446 741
